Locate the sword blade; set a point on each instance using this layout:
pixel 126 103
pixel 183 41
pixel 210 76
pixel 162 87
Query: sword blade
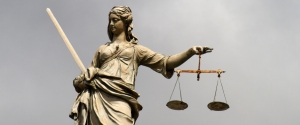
pixel 66 40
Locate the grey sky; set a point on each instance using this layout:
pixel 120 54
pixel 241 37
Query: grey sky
pixel 255 41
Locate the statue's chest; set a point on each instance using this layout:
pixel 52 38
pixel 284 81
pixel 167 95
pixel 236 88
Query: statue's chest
pixel 127 53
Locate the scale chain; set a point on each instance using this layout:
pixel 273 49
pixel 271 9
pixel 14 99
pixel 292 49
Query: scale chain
pixel 174 88
pixel 180 90
pixel 223 90
pixel 219 79
pixel 177 81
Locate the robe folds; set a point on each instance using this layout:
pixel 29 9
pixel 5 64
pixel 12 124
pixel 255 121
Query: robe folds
pixel 110 98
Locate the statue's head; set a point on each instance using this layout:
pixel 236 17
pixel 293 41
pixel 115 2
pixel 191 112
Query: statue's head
pixel 125 14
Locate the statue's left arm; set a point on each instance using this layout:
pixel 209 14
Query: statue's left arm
pixel 178 59
pixel 166 64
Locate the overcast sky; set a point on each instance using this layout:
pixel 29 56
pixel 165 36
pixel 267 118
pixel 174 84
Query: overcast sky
pixel 255 41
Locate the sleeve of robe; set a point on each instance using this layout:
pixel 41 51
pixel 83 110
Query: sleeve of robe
pixel 96 62
pixel 153 60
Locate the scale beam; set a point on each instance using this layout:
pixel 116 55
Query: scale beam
pixel 219 71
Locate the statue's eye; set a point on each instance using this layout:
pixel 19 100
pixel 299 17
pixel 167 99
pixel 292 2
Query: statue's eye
pixel 115 19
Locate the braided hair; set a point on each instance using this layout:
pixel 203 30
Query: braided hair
pixel 124 12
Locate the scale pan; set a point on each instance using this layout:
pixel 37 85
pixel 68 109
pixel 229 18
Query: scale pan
pixel 177 105
pixel 218 106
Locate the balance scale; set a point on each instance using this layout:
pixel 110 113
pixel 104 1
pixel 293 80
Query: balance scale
pixel 214 105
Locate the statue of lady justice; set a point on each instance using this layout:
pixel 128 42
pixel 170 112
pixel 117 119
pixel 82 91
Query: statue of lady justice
pixel 106 90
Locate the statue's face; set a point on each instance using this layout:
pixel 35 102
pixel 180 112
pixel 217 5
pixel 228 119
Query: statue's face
pixel 116 25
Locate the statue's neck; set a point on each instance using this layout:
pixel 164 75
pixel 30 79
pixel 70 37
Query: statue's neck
pixel 119 38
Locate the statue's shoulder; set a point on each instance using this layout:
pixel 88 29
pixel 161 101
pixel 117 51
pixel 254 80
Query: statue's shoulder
pixel 105 45
pixel 142 49
pixel 140 46
pixel 101 47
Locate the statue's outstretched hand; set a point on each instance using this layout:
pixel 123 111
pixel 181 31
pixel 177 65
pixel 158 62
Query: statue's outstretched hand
pixel 203 50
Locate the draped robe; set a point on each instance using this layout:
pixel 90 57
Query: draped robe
pixel 110 98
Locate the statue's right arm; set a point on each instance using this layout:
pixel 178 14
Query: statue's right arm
pixel 78 82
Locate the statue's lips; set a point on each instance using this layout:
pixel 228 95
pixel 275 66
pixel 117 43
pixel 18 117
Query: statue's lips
pixel 112 28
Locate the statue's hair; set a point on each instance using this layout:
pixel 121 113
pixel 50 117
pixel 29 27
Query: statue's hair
pixel 124 12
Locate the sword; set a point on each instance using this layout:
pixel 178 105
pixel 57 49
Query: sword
pixel 66 40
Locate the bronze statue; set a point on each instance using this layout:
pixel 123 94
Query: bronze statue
pixel 106 90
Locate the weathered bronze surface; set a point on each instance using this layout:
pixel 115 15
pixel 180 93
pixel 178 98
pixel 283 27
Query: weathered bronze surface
pixel 177 105
pixel 218 106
